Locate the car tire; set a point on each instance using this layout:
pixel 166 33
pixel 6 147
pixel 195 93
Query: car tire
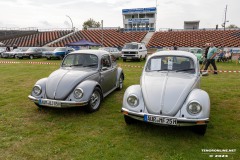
pixel 94 101
pixel 145 58
pixel 120 83
pixel 139 60
pixel 200 129
pixel 48 58
pixel 129 120
pixel 31 56
pixel 124 60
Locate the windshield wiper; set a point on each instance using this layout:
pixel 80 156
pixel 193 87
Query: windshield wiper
pixel 189 69
pixel 74 65
pixel 90 65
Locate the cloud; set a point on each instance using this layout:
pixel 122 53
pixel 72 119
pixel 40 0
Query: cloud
pixel 66 23
pixel 45 23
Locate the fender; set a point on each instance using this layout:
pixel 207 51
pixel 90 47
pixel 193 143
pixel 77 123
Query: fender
pixel 42 83
pixel 119 73
pixel 202 98
pixel 137 91
pixel 87 86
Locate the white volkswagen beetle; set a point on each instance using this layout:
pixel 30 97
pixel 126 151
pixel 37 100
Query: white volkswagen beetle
pixel 169 93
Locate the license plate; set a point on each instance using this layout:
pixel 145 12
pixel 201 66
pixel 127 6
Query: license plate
pixel 50 103
pixel 129 57
pixel 160 120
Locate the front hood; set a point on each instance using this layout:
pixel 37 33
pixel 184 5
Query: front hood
pixel 165 92
pixel 62 82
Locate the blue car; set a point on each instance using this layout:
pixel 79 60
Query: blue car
pixel 58 53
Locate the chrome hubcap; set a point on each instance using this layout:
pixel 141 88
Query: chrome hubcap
pixel 95 100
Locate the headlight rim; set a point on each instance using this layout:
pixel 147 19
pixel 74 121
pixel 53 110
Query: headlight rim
pixel 189 111
pixel 40 88
pixel 134 95
pixel 75 94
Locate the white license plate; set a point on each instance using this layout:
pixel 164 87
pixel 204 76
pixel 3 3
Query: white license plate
pixel 51 103
pixel 160 120
pixel 129 57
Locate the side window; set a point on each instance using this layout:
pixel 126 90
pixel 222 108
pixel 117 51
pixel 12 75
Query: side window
pixel 106 62
pixel 113 58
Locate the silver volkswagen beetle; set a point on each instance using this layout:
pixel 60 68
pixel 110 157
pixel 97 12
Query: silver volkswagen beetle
pixel 169 93
pixel 84 79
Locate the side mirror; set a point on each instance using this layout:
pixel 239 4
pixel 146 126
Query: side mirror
pixel 140 47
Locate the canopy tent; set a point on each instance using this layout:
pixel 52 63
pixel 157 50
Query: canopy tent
pixel 83 42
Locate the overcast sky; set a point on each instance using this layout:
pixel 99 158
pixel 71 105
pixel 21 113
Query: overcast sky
pixel 170 13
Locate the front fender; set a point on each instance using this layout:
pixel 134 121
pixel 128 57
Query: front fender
pixel 87 86
pixel 42 83
pixel 137 91
pixel 200 96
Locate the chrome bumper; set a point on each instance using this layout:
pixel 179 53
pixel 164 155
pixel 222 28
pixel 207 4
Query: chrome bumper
pixel 180 121
pixel 64 104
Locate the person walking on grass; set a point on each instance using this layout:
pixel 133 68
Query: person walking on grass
pixel 212 52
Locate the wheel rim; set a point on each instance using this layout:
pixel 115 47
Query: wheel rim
pixel 95 100
pixel 121 82
pixel 31 57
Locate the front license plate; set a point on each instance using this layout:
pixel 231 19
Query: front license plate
pixel 50 103
pixel 160 120
pixel 129 57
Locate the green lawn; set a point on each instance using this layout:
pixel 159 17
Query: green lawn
pixel 27 132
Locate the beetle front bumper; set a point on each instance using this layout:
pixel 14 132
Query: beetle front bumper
pixel 57 103
pixel 179 121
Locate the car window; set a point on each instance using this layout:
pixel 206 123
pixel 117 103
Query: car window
pixel 105 61
pixel 171 63
pixel 113 58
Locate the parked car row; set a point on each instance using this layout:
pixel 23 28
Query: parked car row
pixel 58 53
pixel 169 92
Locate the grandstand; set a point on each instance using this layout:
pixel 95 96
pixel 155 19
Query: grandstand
pixel 36 39
pixel 195 38
pixel 117 38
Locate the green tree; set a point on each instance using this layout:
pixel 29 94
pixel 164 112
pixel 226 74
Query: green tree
pixel 232 26
pixel 91 23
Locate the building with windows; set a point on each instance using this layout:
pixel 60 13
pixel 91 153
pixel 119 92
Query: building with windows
pixel 139 19
pixel 191 25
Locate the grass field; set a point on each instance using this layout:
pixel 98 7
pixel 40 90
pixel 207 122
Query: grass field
pixel 27 132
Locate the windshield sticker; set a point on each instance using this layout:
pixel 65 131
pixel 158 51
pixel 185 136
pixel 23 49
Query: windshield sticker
pixel 170 64
pixel 156 64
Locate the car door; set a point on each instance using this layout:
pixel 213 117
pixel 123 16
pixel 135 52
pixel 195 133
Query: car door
pixel 108 74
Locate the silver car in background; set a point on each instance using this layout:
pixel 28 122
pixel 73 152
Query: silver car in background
pixel 169 93
pixel 32 52
pixel 114 51
pixel 84 79
pixel 11 54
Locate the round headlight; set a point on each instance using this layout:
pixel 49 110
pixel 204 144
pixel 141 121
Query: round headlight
pixel 37 90
pixel 132 100
pixel 194 108
pixel 78 93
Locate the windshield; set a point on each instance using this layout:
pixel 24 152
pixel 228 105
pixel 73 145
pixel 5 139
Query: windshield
pixel 80 60
pixel 60 49
pixel 130 46
pixel 170 63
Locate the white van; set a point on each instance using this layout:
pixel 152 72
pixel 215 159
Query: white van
pixel 134 51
